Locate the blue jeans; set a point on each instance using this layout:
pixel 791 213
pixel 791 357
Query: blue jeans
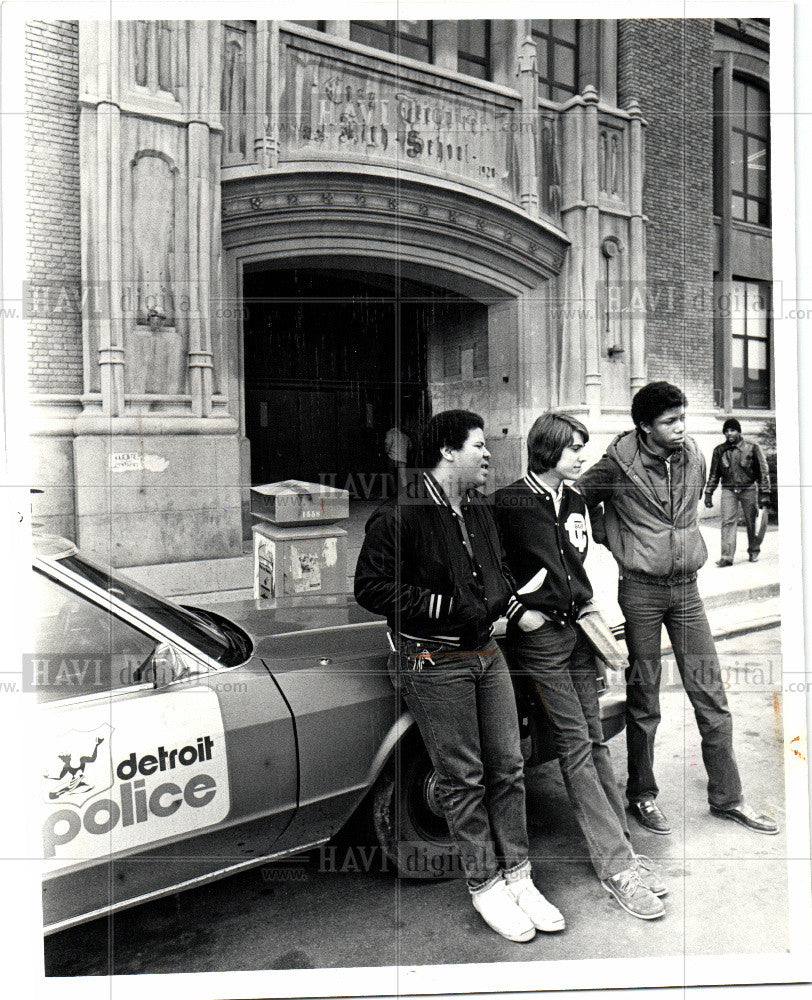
pixel 646 607
pixel 465 709
pixel 747 496
pixel 562 664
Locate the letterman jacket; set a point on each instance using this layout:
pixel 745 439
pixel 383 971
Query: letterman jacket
pixel 545 551
pixel 415 569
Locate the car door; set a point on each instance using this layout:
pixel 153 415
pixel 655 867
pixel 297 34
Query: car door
pixel 195 776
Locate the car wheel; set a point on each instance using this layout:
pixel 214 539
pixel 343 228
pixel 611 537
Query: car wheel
pixel 408 821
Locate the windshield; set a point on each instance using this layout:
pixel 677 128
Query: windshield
pixel 204 634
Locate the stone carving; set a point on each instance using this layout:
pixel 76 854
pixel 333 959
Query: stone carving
pixel 152 55
pixel 155 350
pixel 153 234
pixel 610 178
pixel 233 93
pixel 549 167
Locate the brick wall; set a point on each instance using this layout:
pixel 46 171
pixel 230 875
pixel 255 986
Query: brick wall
pixel 52 200
pixel 666 64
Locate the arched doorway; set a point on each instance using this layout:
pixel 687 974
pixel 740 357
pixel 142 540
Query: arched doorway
pixel 334 358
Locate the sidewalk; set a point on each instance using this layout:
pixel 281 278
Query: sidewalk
pixel 740 598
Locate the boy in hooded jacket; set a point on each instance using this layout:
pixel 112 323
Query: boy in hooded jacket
pixel 643 499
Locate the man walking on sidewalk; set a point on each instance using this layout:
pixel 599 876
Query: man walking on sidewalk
pixel 432 564
pixel 643 497
pixel 542 521
pixel 745 477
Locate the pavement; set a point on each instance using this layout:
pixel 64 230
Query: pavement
pixel 740 598
pixel 337 908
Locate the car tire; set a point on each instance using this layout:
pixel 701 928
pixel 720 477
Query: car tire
pixel 409 826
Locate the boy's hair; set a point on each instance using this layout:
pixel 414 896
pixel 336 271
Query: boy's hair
pixel 449 429
pixel 731 424
pixel 549 436
pixel 654 399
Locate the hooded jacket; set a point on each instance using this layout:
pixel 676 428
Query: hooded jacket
pixel 645 507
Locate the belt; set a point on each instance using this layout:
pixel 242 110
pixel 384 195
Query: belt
pixel 473 642
pixel 659 581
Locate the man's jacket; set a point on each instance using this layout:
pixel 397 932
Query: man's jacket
pixel 414 568
pixel 644 507
pixel 738 466
pixel 545 551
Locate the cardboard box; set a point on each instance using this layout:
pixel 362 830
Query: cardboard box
pixel 289 561
pixel 297 502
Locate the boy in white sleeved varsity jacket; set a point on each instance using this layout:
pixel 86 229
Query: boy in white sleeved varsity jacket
pixel 542 521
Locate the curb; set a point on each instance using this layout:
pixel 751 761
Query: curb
pixel 729 597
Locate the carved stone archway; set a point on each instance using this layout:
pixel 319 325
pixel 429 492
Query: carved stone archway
pixel 440 235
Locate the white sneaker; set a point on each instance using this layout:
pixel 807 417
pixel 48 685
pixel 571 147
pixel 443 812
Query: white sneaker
pixel 541 911
pixel 501 913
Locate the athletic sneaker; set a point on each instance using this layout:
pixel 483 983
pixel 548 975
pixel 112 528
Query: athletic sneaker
pixel 633 896
pixel 541 911
pixel 502 913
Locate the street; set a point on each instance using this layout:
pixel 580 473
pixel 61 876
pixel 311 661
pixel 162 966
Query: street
pixel 334 907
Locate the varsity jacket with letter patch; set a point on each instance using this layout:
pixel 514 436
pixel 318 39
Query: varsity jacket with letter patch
pixel 414 568
pixel 545 551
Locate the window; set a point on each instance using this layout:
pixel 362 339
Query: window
pixel 473 48
pixel 750 152
pixel 750 352
pixel 79 647
pixel 405 38
pixel 557 55
pixel 315 25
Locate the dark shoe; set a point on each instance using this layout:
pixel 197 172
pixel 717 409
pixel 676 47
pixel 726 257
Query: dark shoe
pixel 648 814
pixel 754 557
pixel 648 875
pixel 724 562
pixel 748 817
pixel 633 896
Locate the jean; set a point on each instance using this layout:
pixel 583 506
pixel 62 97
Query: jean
pixel 562 664
pixel 465 709
pixel 647 606
pixel 747 496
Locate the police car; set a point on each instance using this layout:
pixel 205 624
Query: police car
pixel 179 745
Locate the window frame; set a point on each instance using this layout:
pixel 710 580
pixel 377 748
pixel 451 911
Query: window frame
pixel 547 81
pixel 739 140
pixel 764 289
pixel 394 35
pixel 486 62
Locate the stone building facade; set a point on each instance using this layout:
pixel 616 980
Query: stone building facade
pixel 254 246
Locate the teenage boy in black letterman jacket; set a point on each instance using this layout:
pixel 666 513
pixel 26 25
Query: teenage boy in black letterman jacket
pixel 544 530
pixel 432 563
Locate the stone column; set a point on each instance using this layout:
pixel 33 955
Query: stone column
pixel 264 119
pixel 341 29
pixel 637 253
pixel 506 38
pixel 528 88
pixel 445 44
pixel 607 85
pixel 101 232
pixel 591 328
pixel 588 54
pixel 202 227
